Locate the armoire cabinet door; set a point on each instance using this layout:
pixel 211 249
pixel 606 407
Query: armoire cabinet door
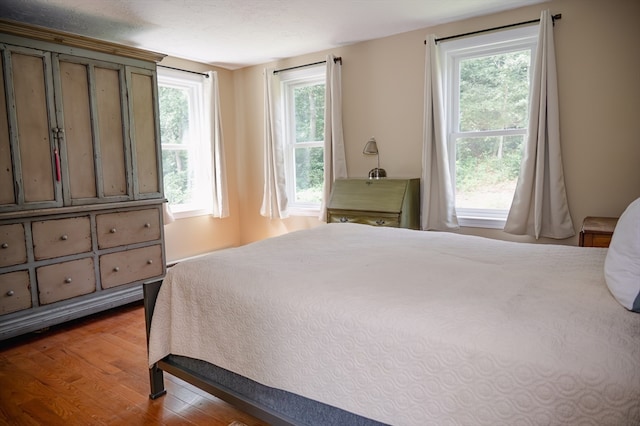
pixel 110 104
pixel 145 133
pixel 76 131
pixel 92 109
pixel 30 135
pixel 7 189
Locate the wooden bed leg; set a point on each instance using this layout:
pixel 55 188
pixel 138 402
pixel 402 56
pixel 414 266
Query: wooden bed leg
pixel 156 380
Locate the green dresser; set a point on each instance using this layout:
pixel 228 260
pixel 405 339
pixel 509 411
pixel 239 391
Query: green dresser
pixel 378 202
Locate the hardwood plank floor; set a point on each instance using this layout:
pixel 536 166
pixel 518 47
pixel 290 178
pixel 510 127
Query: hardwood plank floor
pixel 93 371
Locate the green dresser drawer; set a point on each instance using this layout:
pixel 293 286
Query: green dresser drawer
pixel 358 217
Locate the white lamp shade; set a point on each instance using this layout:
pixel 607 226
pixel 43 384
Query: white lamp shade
pixel 371 147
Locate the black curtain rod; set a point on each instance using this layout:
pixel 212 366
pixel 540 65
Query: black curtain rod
pixel 335 60
pixel 180 69
pixel 554 18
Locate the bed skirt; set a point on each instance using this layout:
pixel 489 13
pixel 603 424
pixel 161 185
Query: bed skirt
pixel 286 407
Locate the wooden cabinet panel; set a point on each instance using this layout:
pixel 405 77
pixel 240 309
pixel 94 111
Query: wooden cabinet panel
pixel 144 133
pixel 129 227
pixel 78 135
pixel 7 192
pixel 15 294
pixel 65 280
pixel 369 194
pixel 61 237
pixel 32 103
pixel 131 265
pixel 111 133
pixel 13 249
pixel 93 105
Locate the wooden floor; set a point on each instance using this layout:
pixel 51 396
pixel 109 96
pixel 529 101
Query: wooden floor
pixel 93 371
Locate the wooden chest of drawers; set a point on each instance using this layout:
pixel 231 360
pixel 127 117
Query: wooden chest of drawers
pixel 377 202
pixel 61 266
pixel 597 231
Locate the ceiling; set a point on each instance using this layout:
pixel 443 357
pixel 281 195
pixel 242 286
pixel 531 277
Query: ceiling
pixel 237 33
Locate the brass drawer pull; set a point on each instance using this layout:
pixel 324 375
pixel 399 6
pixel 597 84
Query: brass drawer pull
pixel 10 293
pixel 64 238
pixel 68 280
pixel 5 245
pixel 380 222
pixel 344 219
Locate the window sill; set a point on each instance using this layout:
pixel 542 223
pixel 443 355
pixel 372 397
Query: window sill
pixel 189 213
pixel 301 211
pixel 481 222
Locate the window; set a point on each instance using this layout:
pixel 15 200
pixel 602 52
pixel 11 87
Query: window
pixel 303 96
pixel 185 152
pixel 486 81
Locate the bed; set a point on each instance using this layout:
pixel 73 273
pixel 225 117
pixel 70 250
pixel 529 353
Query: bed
pixel 351 324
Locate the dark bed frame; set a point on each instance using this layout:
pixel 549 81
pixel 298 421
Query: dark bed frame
pixel 274 406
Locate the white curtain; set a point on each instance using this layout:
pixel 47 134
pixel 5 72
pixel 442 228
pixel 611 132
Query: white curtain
pixel 539 206
pixel 220 202
pixel 274 200
pixel 438 200
pixel 335 164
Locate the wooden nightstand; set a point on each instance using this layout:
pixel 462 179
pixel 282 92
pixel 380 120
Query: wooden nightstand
pixel 597 231
pixel 377 202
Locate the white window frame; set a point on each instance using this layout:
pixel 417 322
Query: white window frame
pixel 197 145
pixel 291 80
pixel 452 53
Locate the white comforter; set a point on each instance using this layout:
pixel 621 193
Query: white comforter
pixel 412 327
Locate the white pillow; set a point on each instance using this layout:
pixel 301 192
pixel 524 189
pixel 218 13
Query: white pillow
pixel 622 264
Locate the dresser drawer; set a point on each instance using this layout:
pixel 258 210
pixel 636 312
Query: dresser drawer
pixel 65 280
pixel 122 228
pixel 14 292
pixel 596 240
pixel 131 265
pixel 374 219
pixel 13 250
pixel 61 237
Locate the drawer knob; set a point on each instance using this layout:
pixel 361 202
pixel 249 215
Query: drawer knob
pixel 68 280
pixel 116 269
pixel 64 238
pixel 5 245
pixel 344 219
pixel 149 262
pixel 112 230
pixel 380 222
pixel 10 293
pixel 147 225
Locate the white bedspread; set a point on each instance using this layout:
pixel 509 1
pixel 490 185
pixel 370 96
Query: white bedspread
pixel 412 327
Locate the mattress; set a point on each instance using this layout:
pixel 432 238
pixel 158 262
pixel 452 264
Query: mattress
pixel 412 327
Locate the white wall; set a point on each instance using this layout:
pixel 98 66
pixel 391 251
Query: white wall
pixel 599 83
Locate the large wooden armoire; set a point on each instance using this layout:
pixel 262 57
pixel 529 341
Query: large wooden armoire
pixel 80 176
